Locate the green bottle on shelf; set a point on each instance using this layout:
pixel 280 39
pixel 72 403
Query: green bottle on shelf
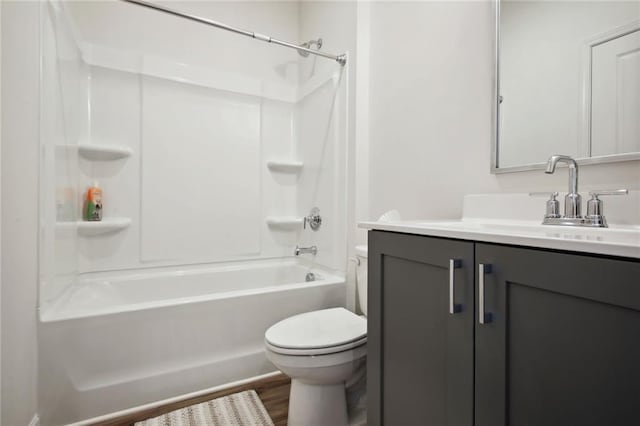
pixel 93 212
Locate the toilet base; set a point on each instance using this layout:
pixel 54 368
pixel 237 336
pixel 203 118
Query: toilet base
pixel 317 405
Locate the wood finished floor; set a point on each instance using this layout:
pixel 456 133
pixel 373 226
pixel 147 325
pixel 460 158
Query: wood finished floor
pixel 273 391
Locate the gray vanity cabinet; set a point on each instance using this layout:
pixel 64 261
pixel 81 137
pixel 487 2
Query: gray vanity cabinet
pixel 559 343
pixel 562 344
pixel 420 356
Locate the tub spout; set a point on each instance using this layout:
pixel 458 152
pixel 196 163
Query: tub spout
pixel 302 250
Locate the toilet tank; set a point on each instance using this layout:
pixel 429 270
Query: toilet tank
pixel 361 277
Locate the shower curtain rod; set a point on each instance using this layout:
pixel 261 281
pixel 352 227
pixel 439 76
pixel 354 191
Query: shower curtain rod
pixel 341 59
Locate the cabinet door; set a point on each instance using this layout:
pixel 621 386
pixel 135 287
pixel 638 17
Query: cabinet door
pixel 562 344
pixel 420 357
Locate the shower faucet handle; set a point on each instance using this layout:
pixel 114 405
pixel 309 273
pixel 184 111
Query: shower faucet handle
pixel 314 219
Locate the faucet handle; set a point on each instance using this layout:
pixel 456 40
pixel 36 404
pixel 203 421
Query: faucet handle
pixel 594 205
pixel 596 194
pixel 553 194
pixel 314 219
pixel 553 205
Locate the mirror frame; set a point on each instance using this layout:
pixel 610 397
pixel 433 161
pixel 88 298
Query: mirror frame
pixel 495 136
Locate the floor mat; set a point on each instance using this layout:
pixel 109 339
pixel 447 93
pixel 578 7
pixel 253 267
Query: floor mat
pixel 239 409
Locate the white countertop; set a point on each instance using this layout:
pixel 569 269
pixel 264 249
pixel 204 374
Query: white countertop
pixel 621 241
pixel 490 218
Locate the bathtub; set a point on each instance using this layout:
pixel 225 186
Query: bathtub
pixel 119 341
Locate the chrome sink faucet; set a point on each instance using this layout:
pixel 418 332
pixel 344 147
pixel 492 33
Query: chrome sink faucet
pixel 573 200
pixel 302 250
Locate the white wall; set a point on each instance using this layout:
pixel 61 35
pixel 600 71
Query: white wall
pixel 20 131
pixel 431 68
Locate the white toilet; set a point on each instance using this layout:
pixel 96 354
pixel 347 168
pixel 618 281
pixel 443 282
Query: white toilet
pixel 322 351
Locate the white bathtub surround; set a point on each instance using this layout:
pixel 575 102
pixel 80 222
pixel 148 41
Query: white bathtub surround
pixel 120 341
pixel 96 152
pixel 208 158
pixel 285 166
pixel 107 225
pixel 232 143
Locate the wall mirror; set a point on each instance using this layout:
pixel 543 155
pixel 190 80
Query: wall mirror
pixel 568 82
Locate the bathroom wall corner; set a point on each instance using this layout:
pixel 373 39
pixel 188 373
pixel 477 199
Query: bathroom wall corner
pixel 20 134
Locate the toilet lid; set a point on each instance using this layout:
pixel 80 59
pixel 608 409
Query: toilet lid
pixel 318 329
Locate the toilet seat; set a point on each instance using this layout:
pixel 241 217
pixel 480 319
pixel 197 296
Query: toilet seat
pixel 322 332
pixel 316 351
pixel 310 362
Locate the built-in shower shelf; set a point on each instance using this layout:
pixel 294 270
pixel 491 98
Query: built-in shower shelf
pixel 105 226
pixel 96 152
pixel 285 166
pixel 284 222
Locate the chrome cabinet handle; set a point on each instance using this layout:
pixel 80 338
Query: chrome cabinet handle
pixel 453 306
pixel 483 317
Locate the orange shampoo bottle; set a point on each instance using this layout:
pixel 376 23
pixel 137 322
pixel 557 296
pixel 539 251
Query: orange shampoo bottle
pixel 94 203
